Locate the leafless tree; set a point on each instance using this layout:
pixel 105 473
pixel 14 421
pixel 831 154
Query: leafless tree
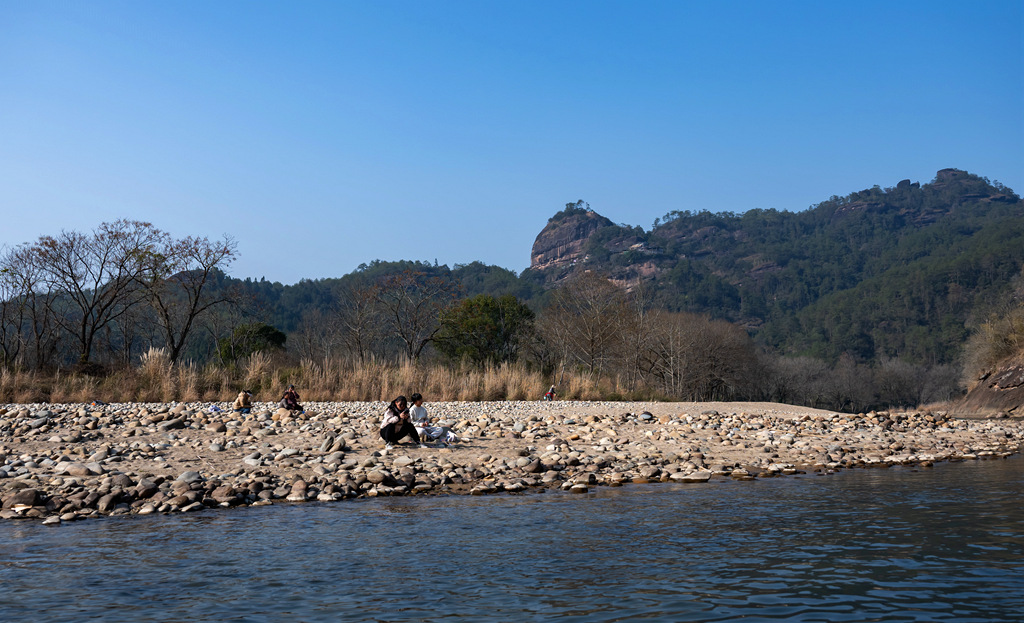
pixel 411 303
pixel 360 320
pixel 636 330
pixel 850 386
pixel 584 320
pixel 29 307
pixel 175 283
pixel 798 380
pixel 696 358
pixel 318 336
pixel 97 275
pixel 12 314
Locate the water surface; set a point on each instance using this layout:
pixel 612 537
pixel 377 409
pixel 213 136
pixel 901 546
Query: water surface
pixel 942 544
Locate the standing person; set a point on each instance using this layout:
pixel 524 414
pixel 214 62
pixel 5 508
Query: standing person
pixel 396 424
pixel 290 400
pixel 243 404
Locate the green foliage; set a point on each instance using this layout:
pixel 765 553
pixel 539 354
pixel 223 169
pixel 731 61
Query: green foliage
pixel 479 278
pixel 484 329
pixel 249 338
pixel 880 273
pixel 579 207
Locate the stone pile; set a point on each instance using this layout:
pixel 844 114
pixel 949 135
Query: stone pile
pixel 65 462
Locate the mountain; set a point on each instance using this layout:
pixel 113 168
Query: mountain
pixel 893 272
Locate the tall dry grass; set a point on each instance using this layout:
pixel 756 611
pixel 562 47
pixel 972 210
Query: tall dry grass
pixel 156 379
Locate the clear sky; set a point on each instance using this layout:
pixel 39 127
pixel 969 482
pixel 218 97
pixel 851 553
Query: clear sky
pixel 322 135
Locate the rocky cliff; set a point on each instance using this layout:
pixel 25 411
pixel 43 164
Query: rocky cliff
pixel 1000 391
pixel 562 240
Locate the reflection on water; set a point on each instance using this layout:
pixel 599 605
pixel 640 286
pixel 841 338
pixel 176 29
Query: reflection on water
pixel 943 544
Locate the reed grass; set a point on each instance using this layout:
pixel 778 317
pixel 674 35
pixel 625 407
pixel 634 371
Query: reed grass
pixel 157 379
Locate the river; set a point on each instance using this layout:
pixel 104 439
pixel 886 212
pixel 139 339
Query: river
pixel 899 544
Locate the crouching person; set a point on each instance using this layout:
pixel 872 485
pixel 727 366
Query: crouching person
pixel 243 404
pixel 396 424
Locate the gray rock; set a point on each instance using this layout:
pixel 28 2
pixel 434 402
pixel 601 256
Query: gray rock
pixel 26 497
pixel 107 503
pixel 376 476
pixel 691 477
pixel 178 422
pixel 190 477
pixel 99 455
pixel 73 469
pixel 95 468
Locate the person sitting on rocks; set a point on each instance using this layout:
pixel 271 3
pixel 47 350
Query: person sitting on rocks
pixel 550 395
pixel 290 400
pixel 243 404
pixel 421 421
pixel 396 424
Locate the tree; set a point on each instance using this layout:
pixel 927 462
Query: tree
pixel 175 282
pixel 12 313
pixel 696 358
pixel 360 319
pixel 584 319
pixel 411 304
pixel 29 308
pixel 317 336
pixel 638 323
pixel 249 338
pixel 484 329
pixel 97 275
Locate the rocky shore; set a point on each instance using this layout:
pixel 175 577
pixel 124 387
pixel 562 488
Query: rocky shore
pixel 64 462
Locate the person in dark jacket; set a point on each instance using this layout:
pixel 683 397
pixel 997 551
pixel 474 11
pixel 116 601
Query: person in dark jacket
pixel 290 400
pixel 396 423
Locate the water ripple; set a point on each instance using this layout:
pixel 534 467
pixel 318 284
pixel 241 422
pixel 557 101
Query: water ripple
pixel 882 545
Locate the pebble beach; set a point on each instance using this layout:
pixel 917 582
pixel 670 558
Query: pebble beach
pixel 68 462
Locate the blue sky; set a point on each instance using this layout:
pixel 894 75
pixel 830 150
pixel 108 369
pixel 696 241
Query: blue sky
pixel 322 135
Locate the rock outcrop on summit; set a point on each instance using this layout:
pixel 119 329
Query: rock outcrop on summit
pixel 562 240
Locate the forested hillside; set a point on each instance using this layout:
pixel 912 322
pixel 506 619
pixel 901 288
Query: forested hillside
pixel 882 273
pixel 893 272
pixel 860 301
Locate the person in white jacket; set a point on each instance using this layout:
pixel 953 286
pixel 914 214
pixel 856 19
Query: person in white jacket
pixel 421 421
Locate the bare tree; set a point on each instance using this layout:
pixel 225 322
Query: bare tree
pixel 360 320
pixel 798 380
pixel 12 313
pixel 411 304
pixel 317 337
pixel 28 308
pixel 175 282
pixel 636 330
pixel 584 320
pixel 97 275
pixel 696 358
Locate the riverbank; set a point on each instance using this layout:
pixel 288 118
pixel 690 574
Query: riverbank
pixel 65 462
